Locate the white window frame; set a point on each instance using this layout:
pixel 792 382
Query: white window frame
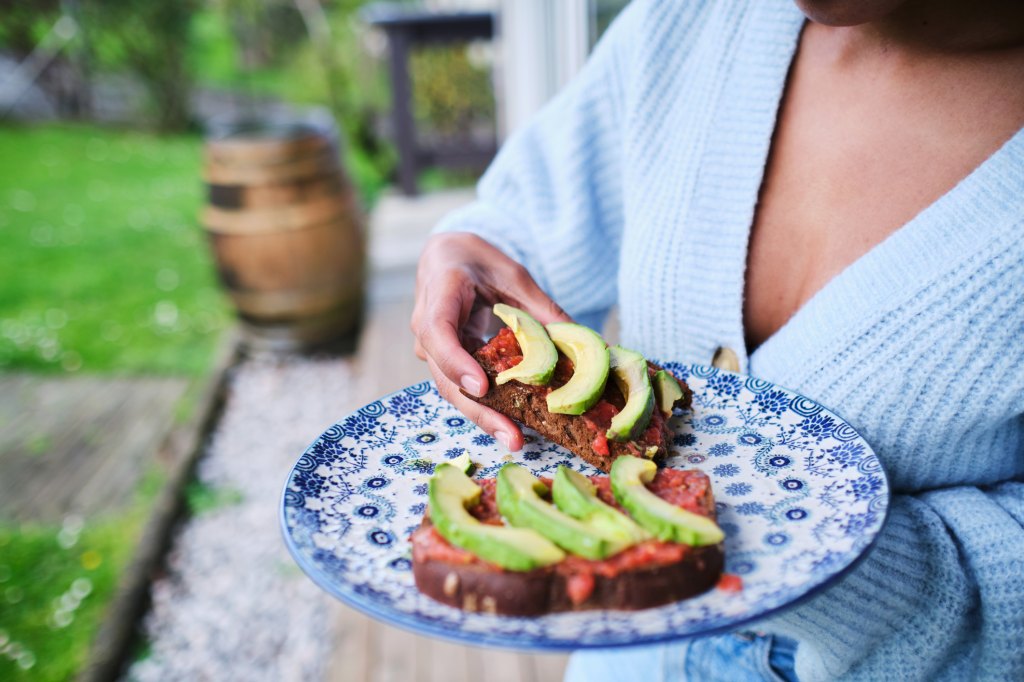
pixel 542 45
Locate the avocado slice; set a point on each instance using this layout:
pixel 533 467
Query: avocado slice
pixel 520 502
pixel 667 391
pixel 629 370
pixel 576 495
pixel 451 493
pixel 666 521
pixel 462 463
pixel 539 354
pixel 590 360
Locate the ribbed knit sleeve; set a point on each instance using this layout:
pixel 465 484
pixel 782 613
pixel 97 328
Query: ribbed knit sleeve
pixel 552 199
pixel 945 575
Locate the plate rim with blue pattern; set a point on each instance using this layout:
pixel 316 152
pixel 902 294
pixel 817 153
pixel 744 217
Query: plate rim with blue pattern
pixel 802 498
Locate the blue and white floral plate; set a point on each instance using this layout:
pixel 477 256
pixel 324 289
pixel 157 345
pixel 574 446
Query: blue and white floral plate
pixel 801 497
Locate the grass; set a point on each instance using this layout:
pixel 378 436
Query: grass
pixel 47 640
pixel 202 498
pixel 105 266
pixel 55 585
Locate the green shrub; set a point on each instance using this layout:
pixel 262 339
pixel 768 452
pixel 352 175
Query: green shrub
pixel 450 93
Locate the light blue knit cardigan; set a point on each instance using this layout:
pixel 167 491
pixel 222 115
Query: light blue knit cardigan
pixel 637 186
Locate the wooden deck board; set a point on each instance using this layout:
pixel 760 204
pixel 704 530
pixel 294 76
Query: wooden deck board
pixel 82 448
pixel 78 444
pixel 399 657
pixel 449 662
pixel 48 444
pixel 353 634
pixel 120 468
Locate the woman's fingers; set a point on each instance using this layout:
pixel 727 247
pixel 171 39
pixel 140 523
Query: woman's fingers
pixel 457 275
pixel 504 430
pixel 446 310
pixel 516 286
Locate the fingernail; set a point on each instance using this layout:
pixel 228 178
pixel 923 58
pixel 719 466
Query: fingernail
pixel 472 385
pixel 504 438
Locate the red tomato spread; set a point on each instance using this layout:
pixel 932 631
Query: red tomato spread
pixel 599 418
pixel 579 586
pixel 730 583
pixel 652 434
pixel 502 351
pixel 429 545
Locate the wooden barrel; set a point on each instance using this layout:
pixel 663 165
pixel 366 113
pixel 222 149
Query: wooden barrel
pixel 287 236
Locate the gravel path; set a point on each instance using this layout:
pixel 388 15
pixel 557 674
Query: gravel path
pixel 234 606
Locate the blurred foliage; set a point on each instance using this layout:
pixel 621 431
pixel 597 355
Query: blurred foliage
pixel 105 266
pixel 254 47
pixel 56 583
pixel 25 23
pixel 440 178
pixel 604 13
pixel 450 93
pixel 264 49
pixel 38 575
pixel 149 38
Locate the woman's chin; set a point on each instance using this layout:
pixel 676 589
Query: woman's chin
pixel 847 12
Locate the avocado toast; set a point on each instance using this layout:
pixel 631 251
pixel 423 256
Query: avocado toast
pixel 564 382
pixel 519 545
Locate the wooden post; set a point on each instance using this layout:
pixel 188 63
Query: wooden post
pixel 401 108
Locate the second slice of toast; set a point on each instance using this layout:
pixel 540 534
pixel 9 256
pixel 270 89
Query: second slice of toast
pixel 583 435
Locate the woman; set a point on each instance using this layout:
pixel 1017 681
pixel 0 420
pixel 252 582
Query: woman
pixel 831 196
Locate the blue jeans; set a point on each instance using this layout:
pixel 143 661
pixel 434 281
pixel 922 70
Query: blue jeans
pixel 739 657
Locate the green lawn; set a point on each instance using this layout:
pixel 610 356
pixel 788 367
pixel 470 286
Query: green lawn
pixel 105 268
pixel 55 586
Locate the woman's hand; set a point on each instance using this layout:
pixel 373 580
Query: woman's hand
pixel 460 277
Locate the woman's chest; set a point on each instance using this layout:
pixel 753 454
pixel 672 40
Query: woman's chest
pixel 856 154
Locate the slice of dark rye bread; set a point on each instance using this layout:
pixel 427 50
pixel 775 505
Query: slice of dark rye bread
pixel 527 405
pixel 651 574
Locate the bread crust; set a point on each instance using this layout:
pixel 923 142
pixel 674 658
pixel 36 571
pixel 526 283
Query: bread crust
pixel 483 588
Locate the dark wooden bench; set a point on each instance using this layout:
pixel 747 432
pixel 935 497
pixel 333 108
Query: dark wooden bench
pixel 405 29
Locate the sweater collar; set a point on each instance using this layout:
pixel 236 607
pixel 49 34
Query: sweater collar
pixel 733 162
